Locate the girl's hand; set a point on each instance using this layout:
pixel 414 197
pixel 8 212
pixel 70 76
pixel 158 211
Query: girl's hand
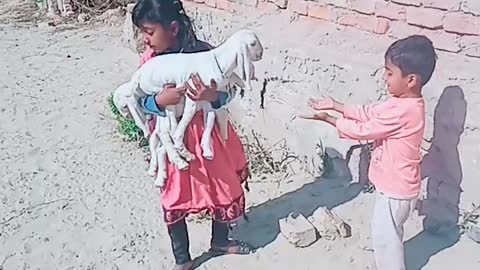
pixel 170 95
pixel 201 91
pixel 327 103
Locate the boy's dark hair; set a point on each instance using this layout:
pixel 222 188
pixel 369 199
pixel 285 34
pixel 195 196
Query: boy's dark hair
pixel 413 55
pixel 165 12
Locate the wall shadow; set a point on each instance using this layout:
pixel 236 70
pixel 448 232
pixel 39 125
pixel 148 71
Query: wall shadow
pixel 442 174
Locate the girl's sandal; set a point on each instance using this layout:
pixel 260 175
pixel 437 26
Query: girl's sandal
pixel 187 266
pixel 234 247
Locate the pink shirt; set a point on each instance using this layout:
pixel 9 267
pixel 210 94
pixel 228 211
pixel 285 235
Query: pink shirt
pixel 397 126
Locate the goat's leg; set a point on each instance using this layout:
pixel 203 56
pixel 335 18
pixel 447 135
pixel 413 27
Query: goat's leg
pixel 162 170
pixel 167 143
pixel 179 135
pixel 171 114
pixel 221 115
pixel 153 146
pixel 235 79
pixel 206 143
pixel 139 121
pixel 181 148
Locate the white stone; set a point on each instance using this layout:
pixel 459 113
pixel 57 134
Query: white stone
pixel 298 230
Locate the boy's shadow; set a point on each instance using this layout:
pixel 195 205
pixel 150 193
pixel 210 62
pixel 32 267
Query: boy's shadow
pixel 442 170
pixel 333 190
pixel 330 191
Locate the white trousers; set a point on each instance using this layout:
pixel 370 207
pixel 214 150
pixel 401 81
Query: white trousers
pixel 389 216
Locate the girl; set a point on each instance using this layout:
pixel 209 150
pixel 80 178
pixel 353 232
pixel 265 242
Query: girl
pixel 208 185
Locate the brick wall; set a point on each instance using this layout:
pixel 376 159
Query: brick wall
pixel 453 25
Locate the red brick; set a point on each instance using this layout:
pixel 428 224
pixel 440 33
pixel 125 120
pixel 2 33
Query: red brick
pixel 425 17
pixel 381 26
pixel 402 30
pixel 226 5
pixel 337 3
pixel 363 6
pixel 390 10
pixel 416 3
pixel 462 23
pixel 298 6
pixel 443 4
pixel 266 7
pixel 365 22
pixel 471 45
pixel 320 12
pixel 250 3
pixel 280 3
pixel 443 41
pixel 211 3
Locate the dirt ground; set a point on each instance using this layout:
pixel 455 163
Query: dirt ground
pixel 74 195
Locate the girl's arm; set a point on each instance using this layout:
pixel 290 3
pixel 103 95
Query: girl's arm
pixel 150 106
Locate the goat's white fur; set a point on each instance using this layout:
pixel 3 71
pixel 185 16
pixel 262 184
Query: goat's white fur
pixel 157 151
pixel 240 50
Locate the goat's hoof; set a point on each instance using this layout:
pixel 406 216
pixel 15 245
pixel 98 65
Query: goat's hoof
pixel 182 165
pixel 187 155
pixel 159 182
pixel 207 153
pixel 151 172
pixel 208 156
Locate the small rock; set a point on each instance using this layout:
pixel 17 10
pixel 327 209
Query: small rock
pixel 83 18
pixel 329 225
pixel 298 230
pixel 474 233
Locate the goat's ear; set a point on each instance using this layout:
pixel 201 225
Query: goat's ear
pixel 240 66
pixel 247 68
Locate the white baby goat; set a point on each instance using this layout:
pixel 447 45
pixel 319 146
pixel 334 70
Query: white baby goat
pixel 240 50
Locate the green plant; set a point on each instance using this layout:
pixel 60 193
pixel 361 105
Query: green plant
pixel 469 218
pixel 126 126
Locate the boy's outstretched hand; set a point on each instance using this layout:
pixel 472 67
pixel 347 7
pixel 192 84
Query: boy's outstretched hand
pixel 315 116
pixel 320 116
pixel 322 104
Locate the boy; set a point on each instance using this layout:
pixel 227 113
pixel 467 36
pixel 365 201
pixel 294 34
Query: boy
pixel 397 127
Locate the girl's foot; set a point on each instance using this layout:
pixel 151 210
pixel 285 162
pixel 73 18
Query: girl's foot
pixel 186 266
pixel 234 247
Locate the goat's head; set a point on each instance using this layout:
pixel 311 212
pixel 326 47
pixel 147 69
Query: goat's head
pixel 250 50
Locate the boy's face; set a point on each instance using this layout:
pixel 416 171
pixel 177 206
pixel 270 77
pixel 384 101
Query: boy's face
pixel 159 38
pixel 398 84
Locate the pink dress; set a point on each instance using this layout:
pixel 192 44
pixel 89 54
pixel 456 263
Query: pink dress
pixel 214 185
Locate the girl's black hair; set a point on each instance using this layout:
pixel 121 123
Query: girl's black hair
pixel 165 12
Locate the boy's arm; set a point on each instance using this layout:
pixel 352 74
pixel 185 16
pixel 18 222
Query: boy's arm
pixel 362 113
pixel 386 124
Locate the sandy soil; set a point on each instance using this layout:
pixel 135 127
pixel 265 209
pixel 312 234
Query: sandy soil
pixel 74 195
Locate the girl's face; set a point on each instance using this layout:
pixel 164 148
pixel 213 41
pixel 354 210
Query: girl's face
pixel 159 38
